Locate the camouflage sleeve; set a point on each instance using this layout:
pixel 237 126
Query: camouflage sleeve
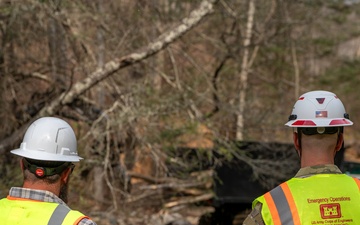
pixel 254 218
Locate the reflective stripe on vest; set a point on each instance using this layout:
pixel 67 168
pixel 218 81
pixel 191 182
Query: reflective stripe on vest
pixel 319 199
pixel 58 215
pixel 282 206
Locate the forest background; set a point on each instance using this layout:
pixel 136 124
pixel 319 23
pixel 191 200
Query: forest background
pixel 139 80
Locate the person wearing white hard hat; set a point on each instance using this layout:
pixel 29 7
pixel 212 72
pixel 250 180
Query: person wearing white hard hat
pixel 319 193
pixel 48 153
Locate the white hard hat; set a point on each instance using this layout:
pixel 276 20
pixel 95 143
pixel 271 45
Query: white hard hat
pixel 319 109
pixel 49 139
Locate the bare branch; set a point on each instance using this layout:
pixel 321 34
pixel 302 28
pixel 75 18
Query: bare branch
pixel 205 8
pixel 35 75
pixel 188 200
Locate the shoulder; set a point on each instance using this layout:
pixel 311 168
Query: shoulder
pixel 77 217
pixel 86 221
pixel 254 218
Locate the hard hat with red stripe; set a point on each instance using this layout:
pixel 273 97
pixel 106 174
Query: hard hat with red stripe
pixel 319 109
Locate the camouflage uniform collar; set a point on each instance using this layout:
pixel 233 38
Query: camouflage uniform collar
pixel 318 169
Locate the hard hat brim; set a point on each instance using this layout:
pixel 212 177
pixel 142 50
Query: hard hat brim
pixel 336 122
pixel 44 156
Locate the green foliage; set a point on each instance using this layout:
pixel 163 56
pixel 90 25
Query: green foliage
pixel 183 161
pixel 313 3
pixel 340 7
pixel 340 19
pixel 11 175
pixel 225 152
pixel 345 75
pixel 324 45
pixel 170 134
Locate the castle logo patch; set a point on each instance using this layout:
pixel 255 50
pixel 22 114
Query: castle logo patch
pixel 330 211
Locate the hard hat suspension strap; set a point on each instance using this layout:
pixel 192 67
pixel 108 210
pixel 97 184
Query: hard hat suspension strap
pixel 41 172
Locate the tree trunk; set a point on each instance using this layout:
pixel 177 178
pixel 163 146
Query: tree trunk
pixel 244 72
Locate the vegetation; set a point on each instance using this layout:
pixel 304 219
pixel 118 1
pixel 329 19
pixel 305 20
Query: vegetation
pixel 141 80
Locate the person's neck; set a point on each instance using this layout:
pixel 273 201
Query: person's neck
pixel 314 160
pixel 53 188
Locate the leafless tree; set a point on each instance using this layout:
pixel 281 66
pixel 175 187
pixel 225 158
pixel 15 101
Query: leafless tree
pixel 140 79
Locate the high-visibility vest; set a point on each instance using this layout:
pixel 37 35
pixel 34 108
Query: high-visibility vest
pixel 330 199
pixel 19 211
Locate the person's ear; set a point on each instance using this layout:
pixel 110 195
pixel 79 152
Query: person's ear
pixel 65 175
pixel 340 141
pixel 297 143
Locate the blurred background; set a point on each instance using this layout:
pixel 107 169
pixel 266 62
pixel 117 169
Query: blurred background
pixel 161 93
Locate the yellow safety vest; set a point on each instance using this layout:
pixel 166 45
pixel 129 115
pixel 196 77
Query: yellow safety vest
pixel 330 199
pixel 18 211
